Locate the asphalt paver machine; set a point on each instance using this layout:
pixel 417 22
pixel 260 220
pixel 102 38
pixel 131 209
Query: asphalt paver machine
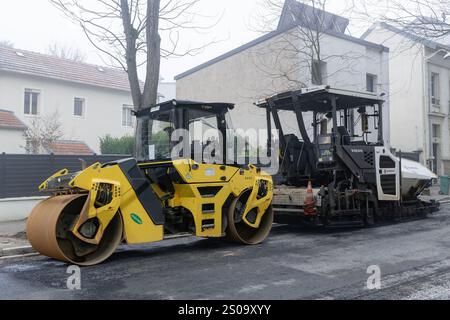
pixel 335 166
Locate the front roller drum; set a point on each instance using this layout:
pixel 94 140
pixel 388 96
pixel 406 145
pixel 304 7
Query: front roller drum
pixel 239 231
pixel 49 232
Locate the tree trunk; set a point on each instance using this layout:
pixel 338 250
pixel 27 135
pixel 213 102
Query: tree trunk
pixel 153 54
pixel 131 59
pixel 150 93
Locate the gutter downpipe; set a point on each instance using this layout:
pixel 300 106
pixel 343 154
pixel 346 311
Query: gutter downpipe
pixel 427 104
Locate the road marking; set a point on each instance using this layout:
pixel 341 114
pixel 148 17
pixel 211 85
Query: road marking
pixel 20 256
pixel 14 251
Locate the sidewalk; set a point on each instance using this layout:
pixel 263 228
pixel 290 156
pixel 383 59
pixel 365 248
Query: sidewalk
pixel 13 240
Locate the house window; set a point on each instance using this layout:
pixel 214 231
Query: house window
pixel 127 115
pixel 435 89
pixel 79 107
pixel 31 102
pixel 371 82
pixel 318 72
pixel 436 131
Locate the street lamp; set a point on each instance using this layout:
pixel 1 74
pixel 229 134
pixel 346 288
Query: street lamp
pixel 427 59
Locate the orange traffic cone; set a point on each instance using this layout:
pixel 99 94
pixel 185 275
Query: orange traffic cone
pixel 309 208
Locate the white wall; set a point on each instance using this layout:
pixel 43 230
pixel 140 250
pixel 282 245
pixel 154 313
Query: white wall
pixel 17 209
pixel 12 141
pixel 348 63
pixel 103 114
pixel 442 117
pixel 167 90
pixel 407 118
pixel 410 94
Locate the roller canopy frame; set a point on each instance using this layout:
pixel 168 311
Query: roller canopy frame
pixel 215 107
pixel 318 99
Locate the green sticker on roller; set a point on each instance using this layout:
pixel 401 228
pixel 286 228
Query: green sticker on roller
pixel 136 218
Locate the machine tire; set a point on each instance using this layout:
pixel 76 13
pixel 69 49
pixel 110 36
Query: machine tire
pixel 242 233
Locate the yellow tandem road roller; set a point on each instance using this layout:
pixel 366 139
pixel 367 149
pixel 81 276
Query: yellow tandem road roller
pixel 149 198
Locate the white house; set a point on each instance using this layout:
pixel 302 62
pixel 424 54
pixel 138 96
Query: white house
pixel 280 60
pixel 91 101
pixel 167 90
pixel 419 94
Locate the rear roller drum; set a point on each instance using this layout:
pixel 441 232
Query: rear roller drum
pixel 239 231
pixel 49 232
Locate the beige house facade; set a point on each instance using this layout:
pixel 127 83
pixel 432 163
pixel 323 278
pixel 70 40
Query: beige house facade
pixel 265 66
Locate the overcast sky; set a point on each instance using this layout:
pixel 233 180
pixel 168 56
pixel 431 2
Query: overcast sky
pixel 34 24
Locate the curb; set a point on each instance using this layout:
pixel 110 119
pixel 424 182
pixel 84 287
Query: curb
pixel 16 251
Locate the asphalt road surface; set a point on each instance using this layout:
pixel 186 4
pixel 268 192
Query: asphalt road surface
pixel 294 263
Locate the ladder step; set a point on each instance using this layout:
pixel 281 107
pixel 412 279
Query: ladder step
pixel 208 208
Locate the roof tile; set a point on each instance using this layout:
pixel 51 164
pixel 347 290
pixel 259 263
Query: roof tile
pixel 37 64
pixel 9 120
pixel 66 147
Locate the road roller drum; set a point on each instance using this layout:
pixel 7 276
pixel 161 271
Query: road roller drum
pixel 49 232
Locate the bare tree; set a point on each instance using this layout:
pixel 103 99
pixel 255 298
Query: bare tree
pixel 66 52
pixel 298 55
pixel 128 33
pixel 42 132
pixel 426 19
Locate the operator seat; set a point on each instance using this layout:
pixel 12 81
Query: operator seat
pixel 298 154
pixel 345 135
